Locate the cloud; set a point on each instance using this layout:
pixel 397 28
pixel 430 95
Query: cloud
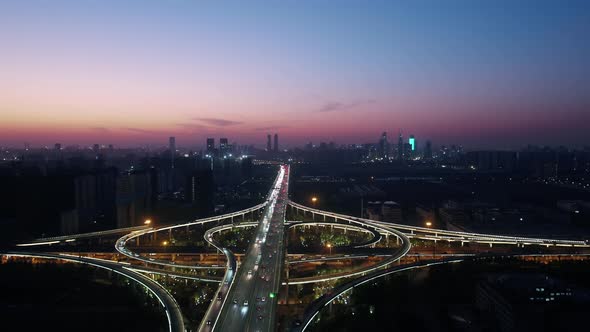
pixel 192 126
pixel 142 131
pixel 219 122
pixel 339 106
pixel 270 128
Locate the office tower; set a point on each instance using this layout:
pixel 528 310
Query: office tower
pixel 276 147
pixel 210 145
pixel 383 145
pixel 400 147
pixel 96 148
pixel 172 145
pixel 223 146
pixel 172 148
pixel 268 146
pixel 428 150
pixel 57 147
pixel 200 191
pixel 407 148
pixel 412 142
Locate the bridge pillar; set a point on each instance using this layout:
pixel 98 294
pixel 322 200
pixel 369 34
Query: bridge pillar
pixel 462 243
pixel 490 244
pixel 170 234
pixel 312 215
pixel 411 231
pixel 397 240
pixel 137 241
pixel 242 217
pixel 324 217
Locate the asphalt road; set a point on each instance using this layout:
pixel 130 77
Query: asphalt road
pixel 252 297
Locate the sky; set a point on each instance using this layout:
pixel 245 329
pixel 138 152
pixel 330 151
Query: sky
pixel 490 74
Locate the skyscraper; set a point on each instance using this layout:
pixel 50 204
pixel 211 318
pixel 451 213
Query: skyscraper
pixel 172 145
pixel 383 145
pixel 400 147
pixel 412 142
pixel 276 147
pixel 172 148
pixel 223 146
pixel 210 145
pixel 268 145
pixel 428 150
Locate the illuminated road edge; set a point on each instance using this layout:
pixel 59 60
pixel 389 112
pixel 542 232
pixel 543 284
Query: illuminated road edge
pixel 440 234
pixel 171 307
pixel 121 243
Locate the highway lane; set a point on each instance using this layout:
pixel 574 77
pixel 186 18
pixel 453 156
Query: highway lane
pixel 171 307
pixel 438 234
pixel 220 300
pixel 252 296
pixel 121 243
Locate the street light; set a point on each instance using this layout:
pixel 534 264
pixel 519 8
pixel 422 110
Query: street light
pixel 329 245
pixel 428 224
pixel 147 221
pixel 165 243
pixel 314 200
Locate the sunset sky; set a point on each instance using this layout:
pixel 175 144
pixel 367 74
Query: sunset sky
pixel 479 73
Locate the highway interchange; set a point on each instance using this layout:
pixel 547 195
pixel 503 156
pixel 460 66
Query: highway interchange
pixel 247 297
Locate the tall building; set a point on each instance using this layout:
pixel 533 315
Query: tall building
pixel 200 191
pixel 412 142
pixel 172 148
pixel 57 147
pixel 96 149
pixel 428 150
pixel 223 147
pixel 400 147
pixel 407 151
pixel 172 145
pixel 276 147
pixel 383 145
pixel 268 145
pixel 210 145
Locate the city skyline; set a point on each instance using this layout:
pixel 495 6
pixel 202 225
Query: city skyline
pixel 481 75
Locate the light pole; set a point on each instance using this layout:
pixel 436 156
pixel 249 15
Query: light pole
pixel 147 222
pixel 329 245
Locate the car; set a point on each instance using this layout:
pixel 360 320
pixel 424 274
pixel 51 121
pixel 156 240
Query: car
pixel 260 317
pixel 208 322
pixel 249 273
pixel 245 303
pixel 219 297
pixel 235 301
pixel 263 299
